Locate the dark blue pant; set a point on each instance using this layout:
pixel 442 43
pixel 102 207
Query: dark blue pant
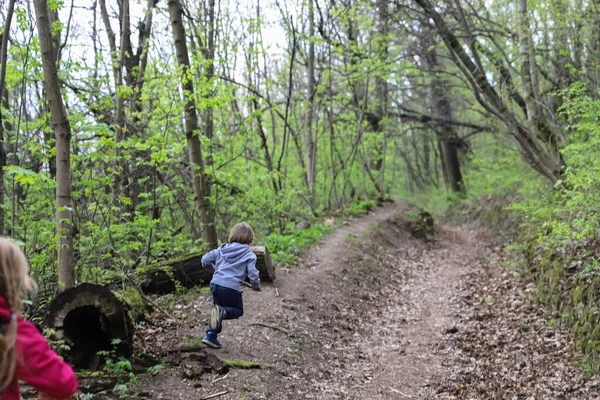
pixel 229 300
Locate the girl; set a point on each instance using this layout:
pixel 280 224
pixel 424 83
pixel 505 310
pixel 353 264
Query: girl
pixel 24 353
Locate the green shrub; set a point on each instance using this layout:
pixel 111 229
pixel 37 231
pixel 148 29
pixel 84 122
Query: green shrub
pixel 285 247
pixel 360 208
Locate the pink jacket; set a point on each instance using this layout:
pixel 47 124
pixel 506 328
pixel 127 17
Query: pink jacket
pixel 37 364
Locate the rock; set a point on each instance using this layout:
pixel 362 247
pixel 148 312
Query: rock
pixel 302 225
pixel 516 304
pixel 197 364
pixel 97 383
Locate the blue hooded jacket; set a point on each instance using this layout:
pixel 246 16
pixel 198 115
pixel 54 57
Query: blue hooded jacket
pixel 231 264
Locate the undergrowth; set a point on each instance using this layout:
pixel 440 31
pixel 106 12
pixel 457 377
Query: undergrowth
pixel 285 247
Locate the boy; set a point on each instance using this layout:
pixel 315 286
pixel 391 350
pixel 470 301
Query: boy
pixel 230 264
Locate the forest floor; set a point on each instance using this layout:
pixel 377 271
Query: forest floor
pixel 374 313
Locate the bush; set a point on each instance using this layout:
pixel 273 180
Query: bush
pixel 360 208
pixel 285 247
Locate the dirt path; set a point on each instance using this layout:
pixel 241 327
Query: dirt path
pixel 371 313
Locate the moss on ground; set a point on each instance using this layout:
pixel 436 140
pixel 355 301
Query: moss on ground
pixel 241 364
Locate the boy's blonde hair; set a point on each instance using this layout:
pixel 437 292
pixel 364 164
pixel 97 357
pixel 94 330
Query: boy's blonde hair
pixel 14 279
pixel 241 233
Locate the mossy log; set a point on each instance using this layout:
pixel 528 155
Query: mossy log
pixel 421 225
pixel 187 271
pixel 90 319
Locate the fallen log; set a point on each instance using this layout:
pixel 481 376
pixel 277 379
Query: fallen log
pixel 91 320
pixel 187 271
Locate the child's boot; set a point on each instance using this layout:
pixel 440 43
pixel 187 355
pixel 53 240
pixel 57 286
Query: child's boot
pixel 210 339
pixel 216 317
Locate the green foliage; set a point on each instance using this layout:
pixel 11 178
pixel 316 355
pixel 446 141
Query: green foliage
pixel 360 208
pixel 350 238
pixel 569 214
pixel 118 366
pixel 24 176
pixel 584 363
pixel 285 247
pixel 57 345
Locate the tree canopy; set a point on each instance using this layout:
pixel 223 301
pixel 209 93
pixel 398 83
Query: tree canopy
pixel 135 130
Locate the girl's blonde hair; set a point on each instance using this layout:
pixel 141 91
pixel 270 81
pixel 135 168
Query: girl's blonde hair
pixel 14 279
pixel 241 233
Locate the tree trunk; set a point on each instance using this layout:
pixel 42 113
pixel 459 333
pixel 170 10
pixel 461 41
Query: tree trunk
pixel 427 158
pixel 445 131
pixel 89 318
pixel 210 231
pixel 593 59
pixel 525 60
pixel 200 180
pixel 121 171
pixel 381 86
pixel 60 124
pixel 3 63
pixel 311 146
pixel 453 165
pixel 538 125
pixel 111 39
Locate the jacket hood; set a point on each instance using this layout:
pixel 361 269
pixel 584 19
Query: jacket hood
pixel 234 252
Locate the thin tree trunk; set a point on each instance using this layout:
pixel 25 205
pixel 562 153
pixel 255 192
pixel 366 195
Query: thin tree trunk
pixel 441 106
pixel 253 85
pixel 112 42
pixel 443 163
pixel 427 157
pixel 60 123
pixel 311 147
pixel 453 165
pixel 369 173
pixel 3 62
pixel 593 59
pixel 381 83
pixel 121 173
pixel 201 190
pixel 144 49
pixel 209 55
pixel 525 59
pixel 383 164
pixel 49 137
pixel 209 122
pixel 538 124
